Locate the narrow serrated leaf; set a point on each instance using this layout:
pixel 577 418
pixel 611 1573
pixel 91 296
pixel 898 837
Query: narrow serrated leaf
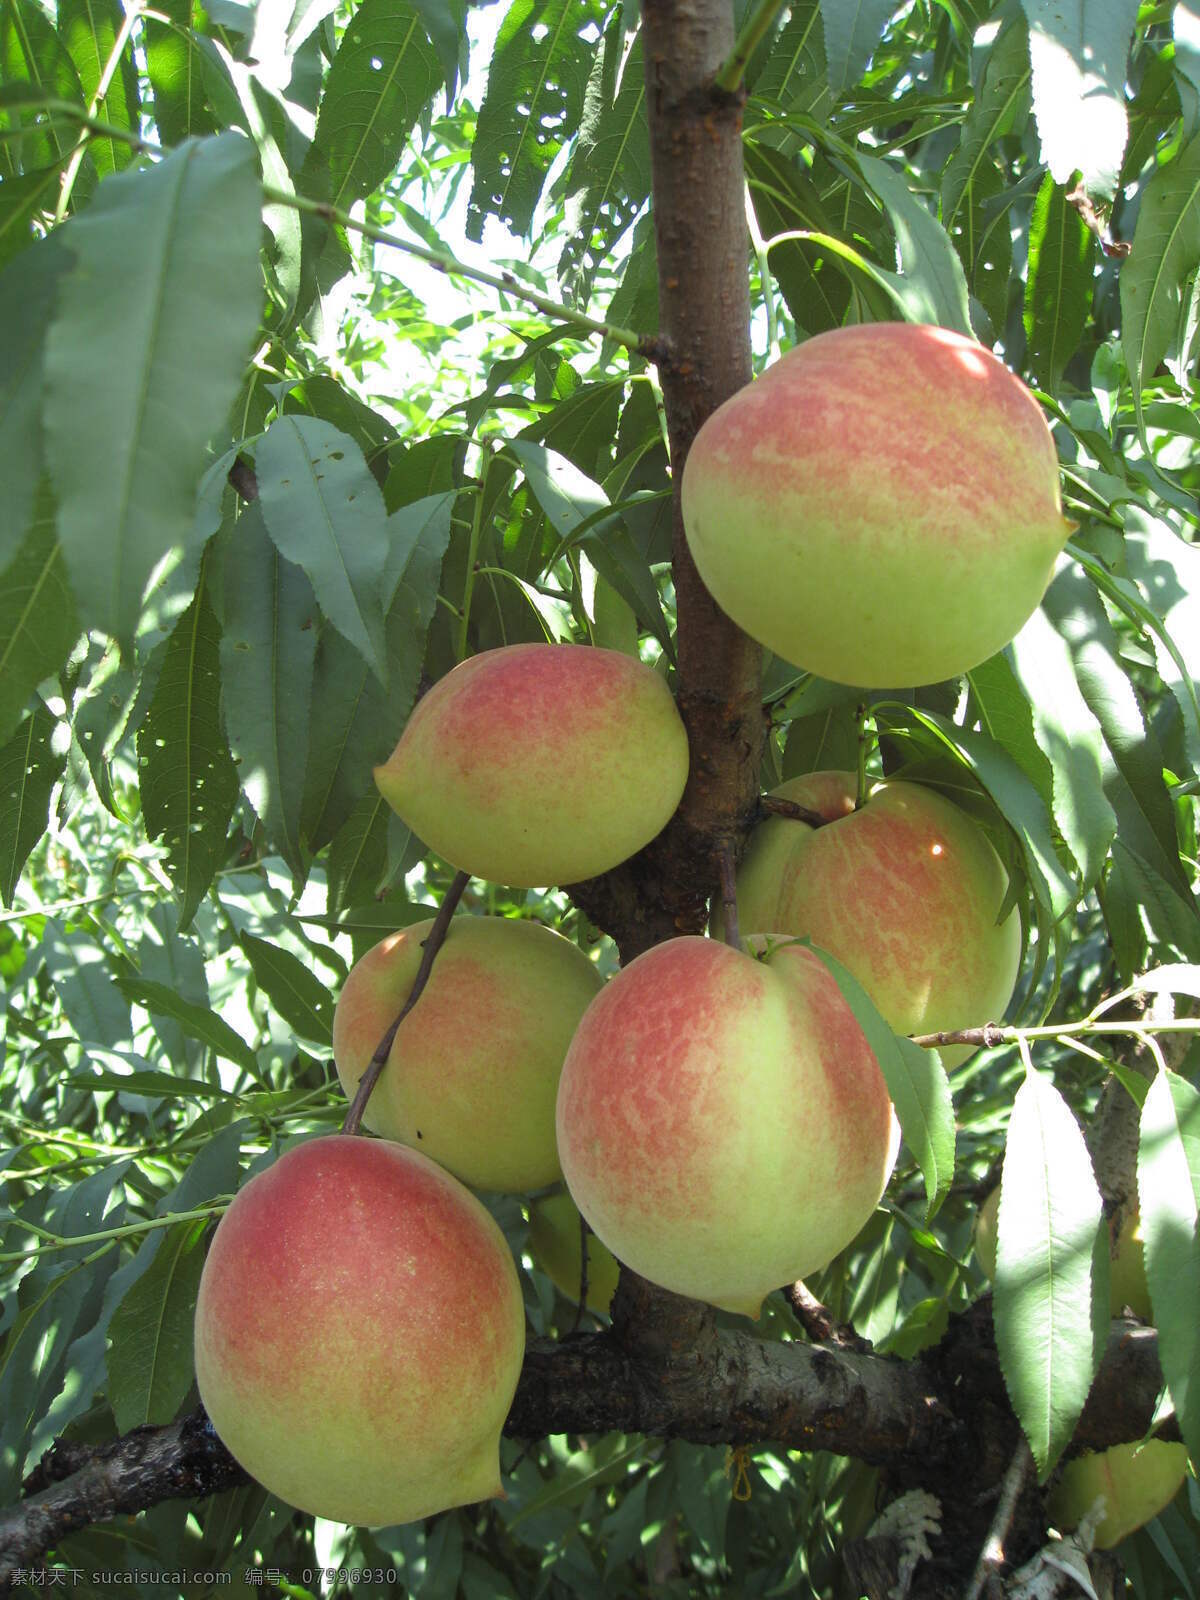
pixel 37 615
pixel 32 53
pixel 147 251
pixel 917 1087
pixel 385 73
pixel 301 1000
pixel 931 283
pixel 1079 50
pixel 998 100
pixel 89 30
pixel 186 776
pixel 267 651
pixel 325 513
pixel 1070 737
pixel 1048 1335
pixel 853 28
pixel 27 289
pixel 1169 1200
pixel 199 1022
pixel 1058 286
pixel 29 768
pixel 535 90
pixel 150 1363
pixel 1165 252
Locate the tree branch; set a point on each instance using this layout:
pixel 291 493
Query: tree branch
pixel 714 1387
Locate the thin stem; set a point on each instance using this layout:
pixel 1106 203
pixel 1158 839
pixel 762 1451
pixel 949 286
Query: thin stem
pixel 102 88
pixel 777 806
pixel 990 1036
pixel 106 1236
pixel 649 346
pixel 860 793
pixel 434 940
pixel 729 908
pixel 991 1557
pixel 472 558
pixel 754 30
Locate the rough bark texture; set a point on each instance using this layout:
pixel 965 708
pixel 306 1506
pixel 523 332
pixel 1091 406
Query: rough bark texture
pixel 704 321
pixel 941 1423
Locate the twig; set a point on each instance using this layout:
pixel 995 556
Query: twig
pixel 102 87
pixel 581 1307
pixel 729 907
pixel 820 1324
pixel 650 346
pixel 776 806
pixel 990 1036
pixel 991 1557
pixel 434 940
pixel 754 30
pixel 1079 198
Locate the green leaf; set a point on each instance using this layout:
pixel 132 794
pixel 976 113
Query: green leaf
pixel 150 1363
pixel 1144 805
pixel 173 64
pixel 325 513
pixel 1080 57
pixel 303 1002
pixel 794 75
pixel 37 615
pixel 27 290
pixel 32 53
pixel 1069 734
pixel 1169 1200
pixel 1019 803
pixel 982 235
pixel 89 29
pixel 916 1083
pixel 136 382
pixel 1165 252
pixel 186 777
pixel 814 287
pixel 534 99
pixel 853 28
pixel 1172 919
pixel 1058 288
pixel 1168 570
pixel 355 722
pixel 1048 1333
pixel 995 110
pixel 162 1085
pixel 357 856
pixel 930 286
pixel 384 75
pixel 268 645
pixel 608 179
pixel 22 200
pixel 198 1022
pixel 29 768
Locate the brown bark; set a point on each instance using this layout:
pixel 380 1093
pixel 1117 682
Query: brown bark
pixel 704 322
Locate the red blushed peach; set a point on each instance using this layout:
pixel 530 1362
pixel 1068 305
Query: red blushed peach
pixel 359 1333
pixel 540 764
pixel 905 892
pixel 722 1122
pixel 473 1072
pixel 881 507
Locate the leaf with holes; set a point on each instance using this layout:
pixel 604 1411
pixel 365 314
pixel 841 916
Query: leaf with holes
pixel 608 180
pixel 384 75
pixel 534 98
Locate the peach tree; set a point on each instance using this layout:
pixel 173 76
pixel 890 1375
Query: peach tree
pixel 342 343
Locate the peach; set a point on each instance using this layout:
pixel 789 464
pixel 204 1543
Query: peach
pixel 555 1242
pixel 473 1071
pixel 359 1333
pixel 906 892
pixel 540 764
pixel 1136 1480
pixel 722 1123
pixel 881 507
